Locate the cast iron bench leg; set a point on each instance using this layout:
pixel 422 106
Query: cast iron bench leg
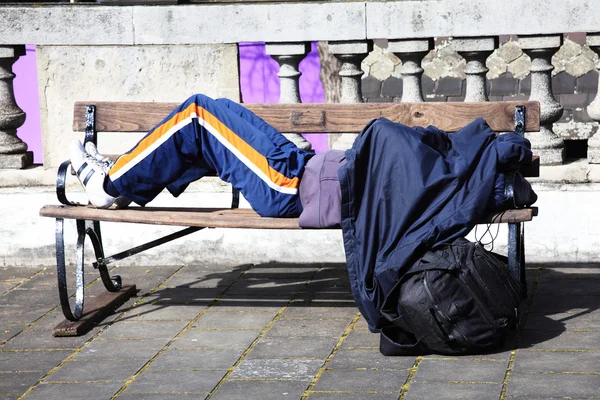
pixel 62 275
pixel 112 284
pixel 516 253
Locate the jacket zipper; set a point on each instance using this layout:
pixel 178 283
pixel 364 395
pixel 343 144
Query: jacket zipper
pixel 438 310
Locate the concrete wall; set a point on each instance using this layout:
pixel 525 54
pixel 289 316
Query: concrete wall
pixel 563 231
pixel 125 73
pixel 350 20
pixel 136 53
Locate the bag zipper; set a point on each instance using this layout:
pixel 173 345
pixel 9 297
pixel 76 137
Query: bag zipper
pixel 489 318
pixel 479 279
pixel 434 300
pixel 508 277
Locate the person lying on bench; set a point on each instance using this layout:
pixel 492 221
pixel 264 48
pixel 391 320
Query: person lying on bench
pixel 204 137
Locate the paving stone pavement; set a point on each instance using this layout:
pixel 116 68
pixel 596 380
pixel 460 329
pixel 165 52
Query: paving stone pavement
pixel 281 331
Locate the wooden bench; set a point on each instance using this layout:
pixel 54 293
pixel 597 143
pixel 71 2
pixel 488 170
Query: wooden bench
pixel 93 117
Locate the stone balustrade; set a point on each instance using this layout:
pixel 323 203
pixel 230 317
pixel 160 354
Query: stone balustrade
pixel 408 27
pixel 13 152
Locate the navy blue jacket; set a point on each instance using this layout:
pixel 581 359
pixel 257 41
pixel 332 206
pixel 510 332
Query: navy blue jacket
pixel 407 190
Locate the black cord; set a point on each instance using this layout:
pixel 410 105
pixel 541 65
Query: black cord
pixel 488 231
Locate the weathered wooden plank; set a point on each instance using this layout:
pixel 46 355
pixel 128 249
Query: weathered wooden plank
pixel 218 218
pixel 94 311
pixel 322 118
pixel 207 218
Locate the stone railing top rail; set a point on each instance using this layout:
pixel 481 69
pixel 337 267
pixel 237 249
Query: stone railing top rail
pixel 291 22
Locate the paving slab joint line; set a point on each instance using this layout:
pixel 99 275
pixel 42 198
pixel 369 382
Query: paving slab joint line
pixel 562 351
pixel 513 354
pixel 472 383
pixel 28 327
pixel 185 329
pixel 24 282
pixel 260 335
pixel 559 373
pixel 76 351
pixel 347 331
pixel 410 376
pixel 350 392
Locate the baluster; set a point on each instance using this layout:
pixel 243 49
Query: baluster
pixel 593 109
pixel 289 55
pixel 411 53
pixel 13 151
pixel 350 54
pixel 545 143
pixel 475 51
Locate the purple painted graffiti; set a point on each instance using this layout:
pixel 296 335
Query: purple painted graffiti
pixel 27 97
pixel 259 82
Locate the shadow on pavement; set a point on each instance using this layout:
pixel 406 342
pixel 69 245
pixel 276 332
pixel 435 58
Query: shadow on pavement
pixel 558 293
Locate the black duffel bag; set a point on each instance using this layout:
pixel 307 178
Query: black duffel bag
pixel 459 299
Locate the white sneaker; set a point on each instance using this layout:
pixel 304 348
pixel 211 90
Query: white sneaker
pixel 91 172
pixel 90 148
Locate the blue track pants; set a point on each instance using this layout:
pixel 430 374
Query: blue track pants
pixel 206 137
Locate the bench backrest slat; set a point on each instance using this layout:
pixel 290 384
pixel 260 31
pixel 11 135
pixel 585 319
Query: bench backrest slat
pixel 323 118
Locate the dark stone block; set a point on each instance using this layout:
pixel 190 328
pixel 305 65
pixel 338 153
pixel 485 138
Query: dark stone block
pixel 525 85
pixel 577 37
pixel 31 360
pixel 495 98
pixel 361 381
pixel 169 381
pixel 503 39
pixel 391 87
pixel 293 347
pixel 563 83
pixel 538 361
pixel 427 85
pixel 519 97
pixel 573 101
pixel 588 83
pixel 196 359
pixel 449 87
pixel 16 384
pixel 504 85
pixel 567 116
pixel 581 116
pixel 456 99
pixel 527 385
pixel 103 390
pixel 371 87
pixel 265 390
pixel 432 390
pixel 461 370
pixel 435 98
pixel 381 43
pixel 379 100
pixel 576 149
pixel 99 370
pixel 297 370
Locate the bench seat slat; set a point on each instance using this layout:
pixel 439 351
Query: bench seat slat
pixel 217 218
pixel 323 118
